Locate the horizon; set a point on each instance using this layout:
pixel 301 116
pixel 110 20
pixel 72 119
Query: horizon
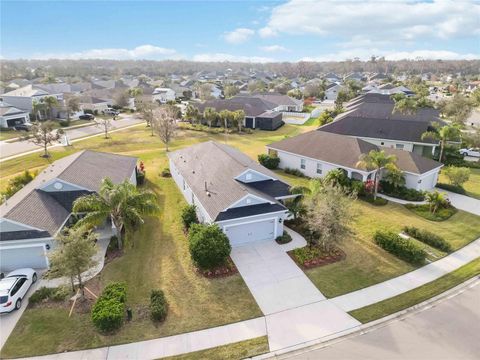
pixel 246 32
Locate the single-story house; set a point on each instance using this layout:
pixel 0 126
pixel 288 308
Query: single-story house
pixel 24 98
pixel 315 153
pixel 32 217
pixel 371 117
pixel 163 95
pixel 259 114
pixel 11 116
pixel 283 103
pixel 230 189
pixel 331 91
pixel 93 103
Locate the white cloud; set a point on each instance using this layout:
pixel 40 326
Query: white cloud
pixel 238 36
pixel 273 48
pixel 143 52
pixel 376 20
pixel 220 57
pixel 365 54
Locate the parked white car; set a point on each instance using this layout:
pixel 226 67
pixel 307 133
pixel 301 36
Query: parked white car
pixel 470 152
pixel 111 111
pixel 13 288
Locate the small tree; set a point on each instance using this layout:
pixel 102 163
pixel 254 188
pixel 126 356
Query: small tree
pixel 146 109
pixel 208 245
pixel 336 177
pixel 43 134
pixel 435 199
pixel 105 123
pixel 50 102
pixel 189 216
pixel 192 114
pixel 74 253
pixel 122 99
pixel 238 118
pixel 377 160
pixel 72 105
pixel 457 175
pixel 329 214
pixel 231 91
pixel 165 123
pixel 295 93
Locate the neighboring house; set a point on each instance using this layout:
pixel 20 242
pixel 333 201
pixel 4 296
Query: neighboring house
pixel 93 103
pixel 332 77
pixel 389 89
pixel 331 91
pixel 10 116
pixel 230 189
pixel 259 114
pixel 355 76
pixel 283 103
pixel 371 117
pixel 163 95
pixel 24 98
pixel 31 218
pixel 315 153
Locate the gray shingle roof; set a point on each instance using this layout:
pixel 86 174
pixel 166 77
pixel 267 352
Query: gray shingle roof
pixel 345 151
pixel 251 105
pixel 218 165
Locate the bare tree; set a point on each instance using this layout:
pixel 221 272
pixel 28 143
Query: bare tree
pixel 165 123
pixel 105 123
pixel 146 109
pixel 44 134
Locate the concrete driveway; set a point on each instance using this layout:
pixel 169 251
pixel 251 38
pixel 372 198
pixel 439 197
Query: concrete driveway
pixel 462 202
pixel 273 278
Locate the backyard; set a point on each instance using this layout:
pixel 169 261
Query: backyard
pixel 472 186
pixel 157 255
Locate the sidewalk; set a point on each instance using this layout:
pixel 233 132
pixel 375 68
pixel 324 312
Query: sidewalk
pixel 409 281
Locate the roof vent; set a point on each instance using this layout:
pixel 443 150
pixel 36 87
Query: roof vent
pixel 208 194
pixel 193 171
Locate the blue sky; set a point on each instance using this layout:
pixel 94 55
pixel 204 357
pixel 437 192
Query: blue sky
pixel 240 30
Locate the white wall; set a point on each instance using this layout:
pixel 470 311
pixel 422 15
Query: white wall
pixel 424 182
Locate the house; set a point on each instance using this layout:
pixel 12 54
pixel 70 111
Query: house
pixel 163 95
pixel 332 77
pixel 315 153
pixel 354 76
pixel 283 103
pixel 94 104
pixel 331 91
pixel 24 98
pixel 32 217
pixel 259 114
pixel 230 189
pixel 371 117
pixel 11 116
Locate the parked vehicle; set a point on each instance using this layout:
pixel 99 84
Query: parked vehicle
pixel 470 152
pixel 23 127
pixel 14 287
pixel 111 111
pixel 86 117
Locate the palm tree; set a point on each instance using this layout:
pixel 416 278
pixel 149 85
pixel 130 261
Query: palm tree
pixel 377 160
pixel 443 134
pixel 192 113
pixel 394 176
pixel 237 118
pixel 435 199
pixel 209 115
pixel 37 108
pixel 50 103
pixel 123 203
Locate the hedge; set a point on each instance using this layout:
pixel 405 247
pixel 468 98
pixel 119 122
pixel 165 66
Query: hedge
pixel 400 247
pixel 270 162
pixel 428 238
pixel 401 192
pixel 158 305
pixel 452 188
pixel 108 312
pixel 295 172
pixel 189 216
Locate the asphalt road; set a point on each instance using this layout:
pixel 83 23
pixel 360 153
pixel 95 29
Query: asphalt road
pixel 449 330
pixel 19 147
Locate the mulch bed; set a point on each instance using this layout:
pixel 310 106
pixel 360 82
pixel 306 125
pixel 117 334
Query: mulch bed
pixel 334 256
pixel 112 254
pixel 228 269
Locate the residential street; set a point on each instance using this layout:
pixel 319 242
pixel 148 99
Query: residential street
pixel 448 330
pixel 19 147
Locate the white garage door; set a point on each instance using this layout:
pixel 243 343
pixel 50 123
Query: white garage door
pixel 256 231
pixel 21 257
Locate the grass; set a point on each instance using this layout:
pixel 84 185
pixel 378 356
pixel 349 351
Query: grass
pixel 365 263
pixel 416 296
pixel 472 186
pixel 441 214
pixel 235 351
pixel 6 134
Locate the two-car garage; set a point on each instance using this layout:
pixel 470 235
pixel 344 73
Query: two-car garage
pixel 243 233
pixel 22 256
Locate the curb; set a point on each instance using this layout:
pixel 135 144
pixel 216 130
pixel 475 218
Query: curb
pixel 371 326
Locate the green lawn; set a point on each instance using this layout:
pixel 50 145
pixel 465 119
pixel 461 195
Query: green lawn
pixel 416 296
pixel 6 134
pixel 472 186
pixel 366 264
pixel 235 351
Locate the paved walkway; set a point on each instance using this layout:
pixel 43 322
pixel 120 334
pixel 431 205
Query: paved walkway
pixel 409 281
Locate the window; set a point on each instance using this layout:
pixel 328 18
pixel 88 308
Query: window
pixel 319 168
pixel 399 146
pixel 302 164
pixel 17 286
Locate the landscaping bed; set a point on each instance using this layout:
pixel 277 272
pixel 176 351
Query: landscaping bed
pixel 442 214
pixel 311 257
pixel 228 269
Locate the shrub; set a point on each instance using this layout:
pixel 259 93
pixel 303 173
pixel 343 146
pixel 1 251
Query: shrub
pixel 166 173
pixel 457 175
pixel 189 216
pixel 64 123
pixel 284 238
pixel 295 172
pixel 379 201
pixel 44 293
pixel 158 305
pixel 209 246
pixel 400 247
pixel 428 238
pixel 18 182
pixel 140 177
pixel 108 312
pixel 401 192
pixel 357 187
pixel 60 293
pixel 452 188
pixel 270 162
pixel 88 111
pixel 442 214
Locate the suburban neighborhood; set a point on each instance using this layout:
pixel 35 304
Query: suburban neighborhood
pixel 188 203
